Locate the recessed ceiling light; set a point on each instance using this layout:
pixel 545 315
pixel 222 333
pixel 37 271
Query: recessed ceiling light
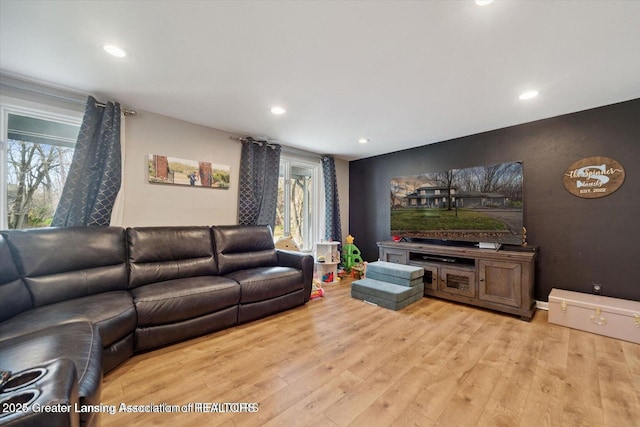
pixel 483 2
pixel 278 111
pixel 115 51
pixel 528 94
pixel 363 140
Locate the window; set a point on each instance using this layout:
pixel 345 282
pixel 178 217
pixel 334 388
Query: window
pixel 35 157
pixel 296 211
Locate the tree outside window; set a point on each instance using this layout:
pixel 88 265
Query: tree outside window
pixel 38 155
pixel 295 211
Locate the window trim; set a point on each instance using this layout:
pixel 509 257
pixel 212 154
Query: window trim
pixel 293 160
pixel 43 111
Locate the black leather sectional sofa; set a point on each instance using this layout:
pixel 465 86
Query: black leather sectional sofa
pixel 76 302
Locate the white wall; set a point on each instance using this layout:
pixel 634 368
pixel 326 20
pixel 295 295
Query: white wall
pixel 147 133
pixel 148 204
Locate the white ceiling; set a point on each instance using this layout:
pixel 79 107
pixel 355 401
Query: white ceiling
pixel 401 73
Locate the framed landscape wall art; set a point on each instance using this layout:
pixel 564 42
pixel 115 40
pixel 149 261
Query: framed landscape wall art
pixel 194 173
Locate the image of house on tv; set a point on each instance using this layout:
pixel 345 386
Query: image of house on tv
pixel 444 197
pixel 482 203
pixel 494 186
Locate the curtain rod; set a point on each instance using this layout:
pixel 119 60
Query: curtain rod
pixel 297 152
pixel 52 92
pixel 125 111
pixel 255 141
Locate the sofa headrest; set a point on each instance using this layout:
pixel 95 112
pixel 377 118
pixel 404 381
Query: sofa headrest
pixel 14 295
pixel 243 246
pixel 87 261
pixel 157 254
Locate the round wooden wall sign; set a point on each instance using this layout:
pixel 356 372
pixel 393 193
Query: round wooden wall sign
pixel 593 177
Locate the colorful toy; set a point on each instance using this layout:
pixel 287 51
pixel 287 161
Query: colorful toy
pixel 350 254
pixel 328 277
pixel 316 291
pixel 359 271
pixel 319 292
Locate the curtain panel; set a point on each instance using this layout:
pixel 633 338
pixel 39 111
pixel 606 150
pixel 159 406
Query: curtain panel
pixel 117 213
pixel 94 176
pixel 333 230
pixel 258 187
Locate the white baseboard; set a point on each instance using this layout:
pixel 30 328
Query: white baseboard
pixel 542 305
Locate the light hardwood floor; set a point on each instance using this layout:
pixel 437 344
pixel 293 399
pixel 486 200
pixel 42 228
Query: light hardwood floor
pixel 338 361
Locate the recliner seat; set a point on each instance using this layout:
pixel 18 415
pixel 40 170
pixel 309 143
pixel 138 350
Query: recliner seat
pixel 175 286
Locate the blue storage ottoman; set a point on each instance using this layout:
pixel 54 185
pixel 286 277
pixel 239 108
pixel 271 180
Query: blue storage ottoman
pixel 388 295
pixel 399 274
pixel 390 285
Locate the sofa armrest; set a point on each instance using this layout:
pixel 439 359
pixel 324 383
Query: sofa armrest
pixel 300 261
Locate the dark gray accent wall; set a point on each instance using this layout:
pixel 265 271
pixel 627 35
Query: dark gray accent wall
pixel 581 241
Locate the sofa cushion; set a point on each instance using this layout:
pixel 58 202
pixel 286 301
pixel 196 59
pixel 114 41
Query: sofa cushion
pixel 14 295
pixel 263 283
pixel 148 337
pixel 157 254
pixel 258 310
pixel 239 247
pixel 112 313
pixel 181 299
pixel 87 261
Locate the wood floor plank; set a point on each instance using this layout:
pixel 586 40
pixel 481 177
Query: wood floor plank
pixel 582 404
pixel 282 400
pixel 631 353
pixel 412 418
pixel 439 391
pixel 469 402
pixel 307 409
pixel 395 400
pixel 544 404
pixel 338 362
pixel 509 398
pixel 555 347
pixel 375 383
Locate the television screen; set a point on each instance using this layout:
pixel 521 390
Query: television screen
pixel 477 204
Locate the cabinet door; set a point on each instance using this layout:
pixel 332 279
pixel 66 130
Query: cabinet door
pixel 501 282
pixel 392 255
pixel 430 278
pixel 457 281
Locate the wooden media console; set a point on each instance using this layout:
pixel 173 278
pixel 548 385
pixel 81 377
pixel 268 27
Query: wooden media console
pixel 501 280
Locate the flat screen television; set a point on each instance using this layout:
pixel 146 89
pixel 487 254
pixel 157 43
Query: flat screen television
pixel 477 204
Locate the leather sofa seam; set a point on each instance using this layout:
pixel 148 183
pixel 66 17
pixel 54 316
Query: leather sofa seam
pixel 86 364
pixel 147 299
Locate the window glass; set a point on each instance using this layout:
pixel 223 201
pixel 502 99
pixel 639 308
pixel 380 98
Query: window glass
pixel 37 156
pixel 296 214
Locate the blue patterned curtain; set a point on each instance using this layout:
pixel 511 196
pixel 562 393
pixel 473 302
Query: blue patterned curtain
pixel 331 202
pixel 258 189
pixel 95 173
